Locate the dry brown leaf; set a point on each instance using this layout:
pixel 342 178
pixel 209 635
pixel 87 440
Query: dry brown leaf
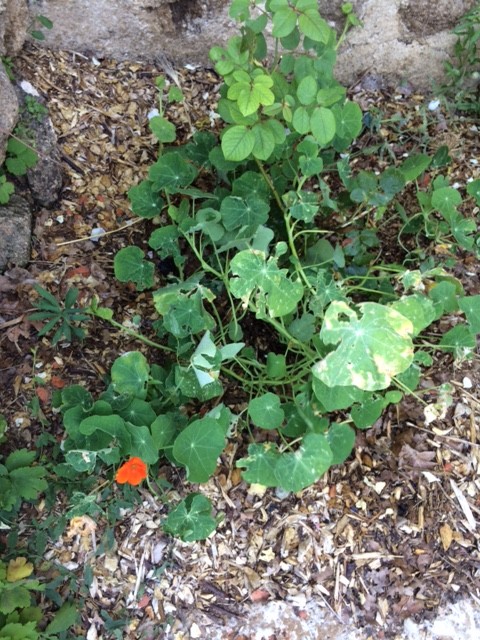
pixel 446 536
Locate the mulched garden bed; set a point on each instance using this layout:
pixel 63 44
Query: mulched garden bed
pixel 392 533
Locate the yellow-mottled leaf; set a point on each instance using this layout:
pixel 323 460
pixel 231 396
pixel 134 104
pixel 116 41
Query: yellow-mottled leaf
pixel 18 569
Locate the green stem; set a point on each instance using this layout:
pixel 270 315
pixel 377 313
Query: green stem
pixel 134 334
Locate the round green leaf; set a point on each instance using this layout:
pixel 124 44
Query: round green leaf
pixel 198 446
pixel 145 202
pixel 295 471
pixel 129 266
pixel 265 411
pixel 162 129
pixel 130 374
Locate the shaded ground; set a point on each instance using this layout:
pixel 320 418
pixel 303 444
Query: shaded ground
pixel 390 534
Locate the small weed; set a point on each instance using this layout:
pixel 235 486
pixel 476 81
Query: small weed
pixel 66 315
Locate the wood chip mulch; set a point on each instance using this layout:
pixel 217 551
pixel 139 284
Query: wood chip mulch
pixel 392 533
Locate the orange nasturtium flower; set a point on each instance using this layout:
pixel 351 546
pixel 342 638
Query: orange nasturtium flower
pixel 133 471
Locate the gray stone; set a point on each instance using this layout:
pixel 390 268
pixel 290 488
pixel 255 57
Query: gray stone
pixel 401 40
pixel 14 21
pixel 8 110
pixel 45 178
pixel 15 232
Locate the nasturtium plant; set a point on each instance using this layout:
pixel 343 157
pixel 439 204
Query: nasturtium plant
pixel 269 294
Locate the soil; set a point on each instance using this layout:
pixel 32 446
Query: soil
pixel 382 543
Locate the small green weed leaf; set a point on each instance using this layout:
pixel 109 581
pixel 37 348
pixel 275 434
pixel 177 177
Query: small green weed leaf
pixel 20 458
pixel 336 398
pixel 341 439
pixel 297 470
pixel 162 129
pixel 6 190
pixel 372 348
pixel 260 464
pixel 16 597
pixel 238 143
pixel 45 22
pixel 130 266
pixel 414 166
pixel 322 123
pixel 365 414
pixel 265 411
pixel 470 306
pixel 255 273
pixel 197 448
pixel 28 482
pixel 63 619
pixel 460 341
pixel 191 519
pixel 418 309
pixel 81 460
pixel 276 365
pixel 143 445
pixel 172 171
pixel 473 189
pixel 130 374
pixel 145 202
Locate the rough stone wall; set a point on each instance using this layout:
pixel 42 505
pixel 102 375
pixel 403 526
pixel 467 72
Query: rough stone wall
pixel 14 17
pixel 401 40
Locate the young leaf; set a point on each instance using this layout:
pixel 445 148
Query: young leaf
pixel 265 411
pixel 162 129
pixel 129 266
pixel 191 519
